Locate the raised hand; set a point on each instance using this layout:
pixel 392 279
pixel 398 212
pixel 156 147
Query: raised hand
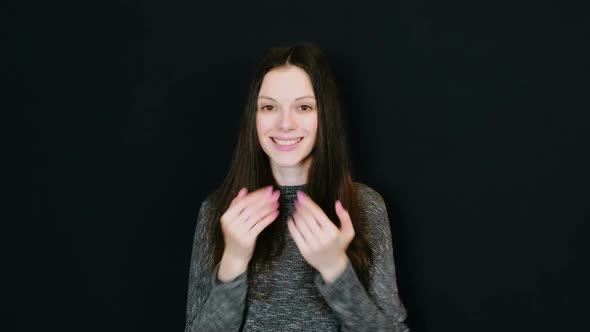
pixel 321 243
pixel 247 216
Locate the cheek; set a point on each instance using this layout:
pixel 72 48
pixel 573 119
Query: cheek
pixel 261 124
pixel 311 125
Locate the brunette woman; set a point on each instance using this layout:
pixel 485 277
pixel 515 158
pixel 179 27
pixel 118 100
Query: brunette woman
pixel 289 242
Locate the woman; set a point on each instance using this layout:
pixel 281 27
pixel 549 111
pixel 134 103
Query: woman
pixel 289 242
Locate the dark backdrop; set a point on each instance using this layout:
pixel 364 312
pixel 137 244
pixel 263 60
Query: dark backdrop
pixel 467 118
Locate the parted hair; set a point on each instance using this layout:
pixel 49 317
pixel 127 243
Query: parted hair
pixel 329 176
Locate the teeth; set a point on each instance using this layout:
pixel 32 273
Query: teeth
pixel 291 142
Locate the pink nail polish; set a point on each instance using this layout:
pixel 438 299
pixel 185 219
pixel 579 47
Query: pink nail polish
pixel 299 195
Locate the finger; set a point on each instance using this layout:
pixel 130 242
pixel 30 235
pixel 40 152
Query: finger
pixel 243 203
pixel 232 211
pixel 258 194
pixel 346 227
pixel 262 224
pixel 261 213
pixel 304 229
pixel 249 213
pixel 308 218
pixel 314 209
pixel 296 235
pixel 241 194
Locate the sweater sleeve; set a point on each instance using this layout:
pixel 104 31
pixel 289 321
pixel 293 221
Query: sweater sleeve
pixel 212 305
pixel 379 309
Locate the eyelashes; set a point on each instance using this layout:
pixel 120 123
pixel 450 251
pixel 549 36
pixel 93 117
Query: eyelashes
pixel 303 107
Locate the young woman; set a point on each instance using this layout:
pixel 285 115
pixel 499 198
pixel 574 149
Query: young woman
pixel 289 242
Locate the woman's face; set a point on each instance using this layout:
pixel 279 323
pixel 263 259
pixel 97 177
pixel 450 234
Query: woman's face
pixel 287 117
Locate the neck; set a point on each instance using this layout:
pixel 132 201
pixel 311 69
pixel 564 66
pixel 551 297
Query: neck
pixel 291 176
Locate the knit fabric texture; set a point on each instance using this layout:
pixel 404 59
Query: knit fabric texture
pixel 291 295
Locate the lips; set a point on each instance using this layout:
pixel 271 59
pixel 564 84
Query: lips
pixel 286 141
pixel 286 138
pixel 286 145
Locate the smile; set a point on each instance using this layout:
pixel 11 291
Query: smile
pixel 286 145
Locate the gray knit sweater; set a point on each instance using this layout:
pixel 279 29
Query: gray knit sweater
pixel 300 300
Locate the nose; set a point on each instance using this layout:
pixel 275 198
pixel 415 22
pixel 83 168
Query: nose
pixel 286 121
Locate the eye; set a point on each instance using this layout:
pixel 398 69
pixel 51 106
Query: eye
pixel 267 107
pixel 306 107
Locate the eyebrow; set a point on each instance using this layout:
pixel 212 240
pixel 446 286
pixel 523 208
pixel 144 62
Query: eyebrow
pixel 266 97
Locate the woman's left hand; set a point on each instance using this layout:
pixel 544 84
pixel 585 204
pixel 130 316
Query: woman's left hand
pixel 320 242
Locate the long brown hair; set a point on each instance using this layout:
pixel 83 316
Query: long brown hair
pixel 329 176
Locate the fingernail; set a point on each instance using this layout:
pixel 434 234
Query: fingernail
pixel 300 195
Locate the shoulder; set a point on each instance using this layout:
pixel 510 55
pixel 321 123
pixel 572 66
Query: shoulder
pixel 208 202
pixel 372 207
pixel 205 212
pixel 369 200
pixel 205 207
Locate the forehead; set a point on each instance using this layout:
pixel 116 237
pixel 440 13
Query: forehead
pixel 286 83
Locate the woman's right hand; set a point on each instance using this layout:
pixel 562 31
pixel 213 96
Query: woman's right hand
pixel 247 216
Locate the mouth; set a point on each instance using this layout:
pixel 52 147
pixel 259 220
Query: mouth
pixel 286 144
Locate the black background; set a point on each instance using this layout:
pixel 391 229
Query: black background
pixel 469 119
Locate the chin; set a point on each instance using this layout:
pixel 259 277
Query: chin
pixel 289 161
pixel 286 163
